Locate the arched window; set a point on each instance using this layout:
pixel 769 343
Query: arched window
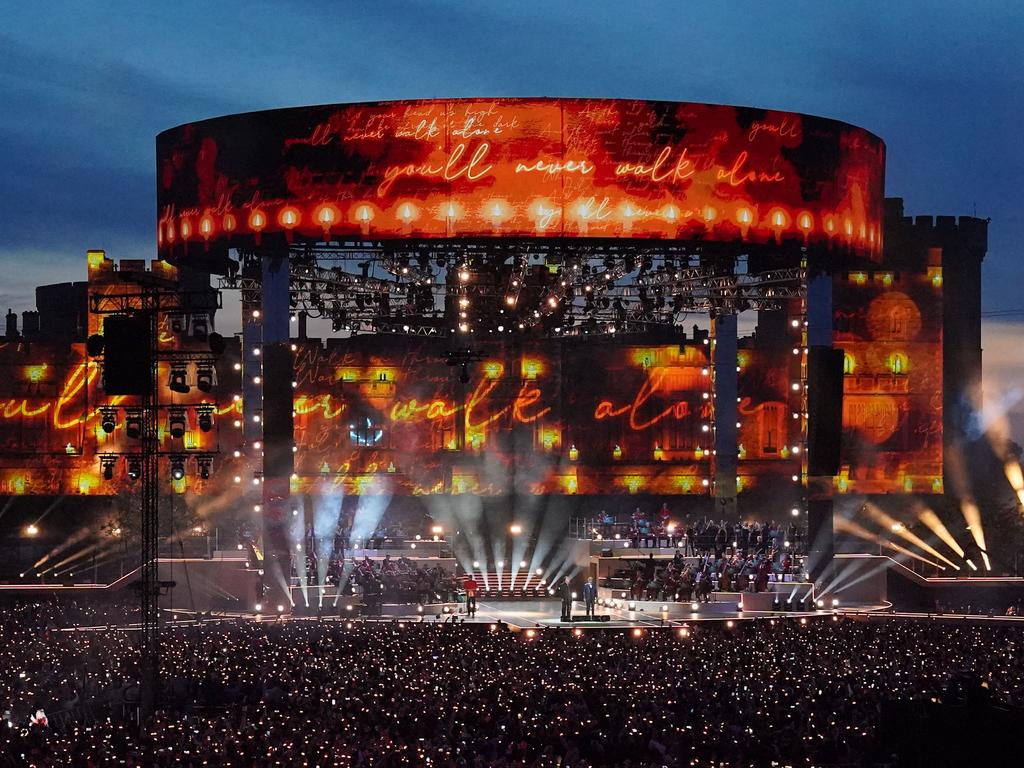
pixel 898 363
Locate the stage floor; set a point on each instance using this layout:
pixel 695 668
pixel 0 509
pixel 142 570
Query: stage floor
pixel 524 614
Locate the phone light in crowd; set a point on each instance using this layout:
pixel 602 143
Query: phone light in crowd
pixel 637 632
pixel 530 634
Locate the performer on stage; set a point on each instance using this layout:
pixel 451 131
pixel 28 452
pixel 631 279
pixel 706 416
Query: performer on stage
pixel 565 592
pixel 590 597
pixel 471 587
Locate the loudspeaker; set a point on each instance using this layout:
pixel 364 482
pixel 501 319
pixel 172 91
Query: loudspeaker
pixel 278 397
pixel 127 365
pixel 824 410
pixel 597 617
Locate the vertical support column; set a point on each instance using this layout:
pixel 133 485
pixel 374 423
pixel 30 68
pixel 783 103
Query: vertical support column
pixel 817 506
pixel 723 356
pixel 278 427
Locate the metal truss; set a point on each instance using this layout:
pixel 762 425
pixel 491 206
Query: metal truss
pixel 552 287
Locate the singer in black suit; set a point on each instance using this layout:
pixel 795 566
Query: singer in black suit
pixel 565 592
pixel 590 597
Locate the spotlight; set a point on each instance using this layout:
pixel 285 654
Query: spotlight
pixel 258 607
pixel 133 424
pixel 134 469
pixel 200 327
pixel 108 419
pixel 204 464
pixel 177 467
pixel 178 379
pixel 107 464
pixel 32 529
pixel 204 415
pixel 204 378
pixel 515 529
pixel 176 423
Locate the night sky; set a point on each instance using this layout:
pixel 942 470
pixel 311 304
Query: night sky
pixel 84 92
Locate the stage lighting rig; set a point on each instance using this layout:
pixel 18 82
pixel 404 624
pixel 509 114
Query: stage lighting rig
pixel 200 327
pixel 204 377
pixel 177 467
pixel 178 380
pixel 108 419
pixel 134 469
pixel 133 423
pixel 463 358
pixel 177 423
pixel 107 465
pixel 204 417
pixel 204 464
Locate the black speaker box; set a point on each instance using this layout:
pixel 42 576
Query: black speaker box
pixel 824 410
pixel 127 366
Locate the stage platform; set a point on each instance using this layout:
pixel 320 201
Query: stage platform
pixel 527 614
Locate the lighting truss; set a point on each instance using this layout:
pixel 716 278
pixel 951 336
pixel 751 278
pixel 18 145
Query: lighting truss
pixel 552 288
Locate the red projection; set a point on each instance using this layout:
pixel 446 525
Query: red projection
pixel 518 168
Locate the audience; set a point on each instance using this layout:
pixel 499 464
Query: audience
pixel 387 694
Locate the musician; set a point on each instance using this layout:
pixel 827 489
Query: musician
pixel 471 588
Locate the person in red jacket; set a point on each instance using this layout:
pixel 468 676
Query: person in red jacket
pixel 471 587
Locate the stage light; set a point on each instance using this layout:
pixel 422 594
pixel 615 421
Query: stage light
pixel 577 631
pixel 204 463
pixel 108 419
pixel 258 607
pixel 280 609
pixel 176 423
pixel 205 417
pixel 32 529
pixel 178 380
pixel 134 469
pixel 204 378
pixel 501 563
pixel 200 327
pixel 539 571
pixel 515 529
pixel 107 464
pixel 637 632
pixel 522 563
pixel 133 424
pixel 476 564
pixel 835 602
pixel 730 623
pixel 694 606
pixel 177 467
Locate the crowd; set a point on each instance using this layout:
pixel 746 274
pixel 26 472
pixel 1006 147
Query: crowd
pixel 314 693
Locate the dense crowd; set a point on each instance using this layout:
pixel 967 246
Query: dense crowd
pixel 389 694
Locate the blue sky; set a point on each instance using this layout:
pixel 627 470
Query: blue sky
pixel 86 86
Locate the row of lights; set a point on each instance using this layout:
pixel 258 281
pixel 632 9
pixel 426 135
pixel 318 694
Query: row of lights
pixel 328 217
